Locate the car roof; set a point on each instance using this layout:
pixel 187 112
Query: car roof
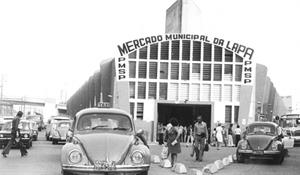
pixel 102 110
pixel 263 123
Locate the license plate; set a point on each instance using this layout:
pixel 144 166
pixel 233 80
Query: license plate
pixel 258 152
pixel 63 138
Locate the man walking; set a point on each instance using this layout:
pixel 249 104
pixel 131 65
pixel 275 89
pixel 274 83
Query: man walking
pixel 200 135
pixel 15 133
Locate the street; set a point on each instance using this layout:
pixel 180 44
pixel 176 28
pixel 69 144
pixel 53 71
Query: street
pixel 289 166
pixel 44 159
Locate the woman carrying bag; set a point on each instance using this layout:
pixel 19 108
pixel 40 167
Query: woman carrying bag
pixel 173 143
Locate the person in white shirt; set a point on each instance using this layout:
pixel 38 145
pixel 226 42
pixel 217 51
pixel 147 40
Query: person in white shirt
pixel 219 135
pixel 237 132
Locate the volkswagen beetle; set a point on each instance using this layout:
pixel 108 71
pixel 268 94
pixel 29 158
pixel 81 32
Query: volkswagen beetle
pixel 104 141
pixel 60 131
pixel 261 140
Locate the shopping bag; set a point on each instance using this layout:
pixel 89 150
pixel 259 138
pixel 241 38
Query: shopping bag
pixel 164 152
pixel 206 147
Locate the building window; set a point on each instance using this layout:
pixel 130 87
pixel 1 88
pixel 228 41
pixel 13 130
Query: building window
pixel 163 89
pixel 218 72
pixel 132 69
pixel 236 114
pixel 237 92
pixel 238 72
pixel 228 56
pixel 143 53
pixel 196 51
pixel 132 109
pixel 196 70
pixel 163 72
pixel 153 51
pixel 185 71
pixel 173 91
pixel 152 90
pixel 140 111
pixel 164 50
pixel 195 92
pixel 228 114
pixel 218 53
pixel 142 69
pixel 205 93
pixel 132 55
pixel 141 90
pixel 217 92
pixel 153 70
pixel 227 93
pixel 174 71
pixel 238 58
pixel 132 89
pixel 228 72
pixel 186 49
pixel 175 50
pixel 207 52
pixel 206 72
pixel 184 92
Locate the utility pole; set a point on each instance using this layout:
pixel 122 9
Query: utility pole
pixel 1 95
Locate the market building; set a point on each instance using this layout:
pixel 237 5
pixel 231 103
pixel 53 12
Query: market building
pixel 178 76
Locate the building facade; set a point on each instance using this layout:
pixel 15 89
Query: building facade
pixel 178 76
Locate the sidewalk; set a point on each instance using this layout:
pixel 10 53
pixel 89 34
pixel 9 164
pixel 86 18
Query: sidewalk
pixel 184 157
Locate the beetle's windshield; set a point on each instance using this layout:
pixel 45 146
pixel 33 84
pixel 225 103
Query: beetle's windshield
pixel 64 124
pixel 104 122
pixel 261 129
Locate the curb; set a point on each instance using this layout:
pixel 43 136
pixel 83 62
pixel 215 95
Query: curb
pixel 180 168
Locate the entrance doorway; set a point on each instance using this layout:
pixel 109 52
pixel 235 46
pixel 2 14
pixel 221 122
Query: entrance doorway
pixel 184 114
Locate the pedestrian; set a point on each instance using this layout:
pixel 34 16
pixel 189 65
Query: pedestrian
pixel 190 138
pixel 237 132
pixel 224 134
pixel 173 143
pixel 219 135
pixel 230 135
pixel 201 136
pixel 15 133
pixel 184 131
pixel 214 138
pixel 160 129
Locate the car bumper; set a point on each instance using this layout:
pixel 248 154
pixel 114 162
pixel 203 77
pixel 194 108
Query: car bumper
pixel 260 153
pixel 60 139
pixel 4 141
pixel 120 169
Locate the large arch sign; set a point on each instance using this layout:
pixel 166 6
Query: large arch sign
pixel 122 66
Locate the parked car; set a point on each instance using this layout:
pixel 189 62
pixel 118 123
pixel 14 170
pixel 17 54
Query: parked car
pixel 104 141
pixel 51 125
pixel 261 140
pixel 60 130
pixel 25 130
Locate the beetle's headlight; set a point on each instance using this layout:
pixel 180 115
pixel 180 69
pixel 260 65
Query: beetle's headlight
pixel 137 157
pixel 26 136
pixel 274 145
pixel 1 135
pixel 244 144
pixel 75 156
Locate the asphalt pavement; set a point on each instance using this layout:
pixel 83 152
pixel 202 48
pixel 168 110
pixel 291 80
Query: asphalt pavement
pixel 44 159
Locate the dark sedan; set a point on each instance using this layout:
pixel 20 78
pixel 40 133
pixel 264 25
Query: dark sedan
pixel 25 130
pixel 262 140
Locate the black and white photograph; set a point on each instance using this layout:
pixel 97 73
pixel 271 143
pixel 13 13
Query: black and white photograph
pixel 154 87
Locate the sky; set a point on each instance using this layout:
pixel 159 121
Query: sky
pixel 47 47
